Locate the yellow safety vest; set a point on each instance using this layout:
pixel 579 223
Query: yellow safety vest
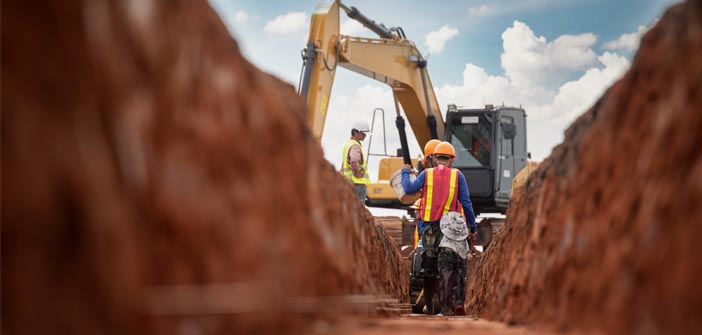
pixel 346 167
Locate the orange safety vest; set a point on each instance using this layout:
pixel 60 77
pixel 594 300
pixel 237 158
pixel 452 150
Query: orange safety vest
pixel 440 193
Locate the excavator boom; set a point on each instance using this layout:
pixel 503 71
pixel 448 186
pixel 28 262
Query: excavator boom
pixel 394 61
pixel 490 142
pixel 320 53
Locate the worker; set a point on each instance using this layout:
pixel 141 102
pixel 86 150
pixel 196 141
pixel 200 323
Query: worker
pixel 428 162
pixel 481 151
pixel 354 166
pixel 444 189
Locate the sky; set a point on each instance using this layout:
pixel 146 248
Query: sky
pixel 554 58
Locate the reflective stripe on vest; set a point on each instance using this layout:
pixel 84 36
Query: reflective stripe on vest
pixel 416 235
pixel 440 193
pixel 346 167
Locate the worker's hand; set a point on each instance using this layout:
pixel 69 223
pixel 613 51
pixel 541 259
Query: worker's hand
pixel 473 236
pixel 407 167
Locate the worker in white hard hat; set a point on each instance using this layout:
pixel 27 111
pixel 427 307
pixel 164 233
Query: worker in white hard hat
pixel 354 166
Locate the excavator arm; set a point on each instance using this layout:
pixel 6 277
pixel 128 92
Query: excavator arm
pixel 391 59
pixel 394 60
pixel 320 63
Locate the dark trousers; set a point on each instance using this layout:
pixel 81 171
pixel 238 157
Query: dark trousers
pixel 451 269
pixel 431 237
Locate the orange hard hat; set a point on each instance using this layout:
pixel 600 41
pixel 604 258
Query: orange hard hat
pixel 446 149
pixel 429 148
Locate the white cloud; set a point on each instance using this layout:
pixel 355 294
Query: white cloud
pixel 436 40
pixel 288 24
pixel 551 104
pixel 240 18
pixel 529 60
pixel 479 89
pixel 575 97
pixel 628 42
pixel 551 107
pixel 482 10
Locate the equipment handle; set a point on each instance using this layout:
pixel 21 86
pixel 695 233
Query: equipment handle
pixel 400 123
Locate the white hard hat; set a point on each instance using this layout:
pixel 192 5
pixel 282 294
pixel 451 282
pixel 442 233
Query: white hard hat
pixel 361 126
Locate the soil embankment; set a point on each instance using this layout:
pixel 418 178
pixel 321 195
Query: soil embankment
pixel 154 181
pixel 605 234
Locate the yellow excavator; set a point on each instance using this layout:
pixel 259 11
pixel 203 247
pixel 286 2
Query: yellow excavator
pixel 490 142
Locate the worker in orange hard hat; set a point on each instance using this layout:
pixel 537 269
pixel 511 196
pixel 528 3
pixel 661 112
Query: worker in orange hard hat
pixel 428 162
pixel 444 191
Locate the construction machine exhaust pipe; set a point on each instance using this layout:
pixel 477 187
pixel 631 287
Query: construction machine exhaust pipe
pixel 400 123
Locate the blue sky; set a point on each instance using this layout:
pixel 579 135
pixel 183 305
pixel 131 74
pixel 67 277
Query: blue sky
pixel 554 58
pixel 479 40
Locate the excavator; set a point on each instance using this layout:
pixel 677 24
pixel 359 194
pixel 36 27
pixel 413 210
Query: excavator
pixel 490 141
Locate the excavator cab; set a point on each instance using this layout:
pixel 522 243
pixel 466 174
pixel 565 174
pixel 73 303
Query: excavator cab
pixel 490 148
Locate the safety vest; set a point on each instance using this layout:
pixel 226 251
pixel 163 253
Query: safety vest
pixel 440 193
pixel 346 166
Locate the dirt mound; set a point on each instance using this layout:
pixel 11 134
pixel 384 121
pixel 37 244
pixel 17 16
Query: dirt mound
pixel 604 235
pixel 153 181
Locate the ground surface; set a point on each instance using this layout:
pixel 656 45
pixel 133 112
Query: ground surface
pixel 420 324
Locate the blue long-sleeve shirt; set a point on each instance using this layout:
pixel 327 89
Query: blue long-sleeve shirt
pixel 463 194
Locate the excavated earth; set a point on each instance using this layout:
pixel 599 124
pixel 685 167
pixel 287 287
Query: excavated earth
pixel 154 181
pixel 605 235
